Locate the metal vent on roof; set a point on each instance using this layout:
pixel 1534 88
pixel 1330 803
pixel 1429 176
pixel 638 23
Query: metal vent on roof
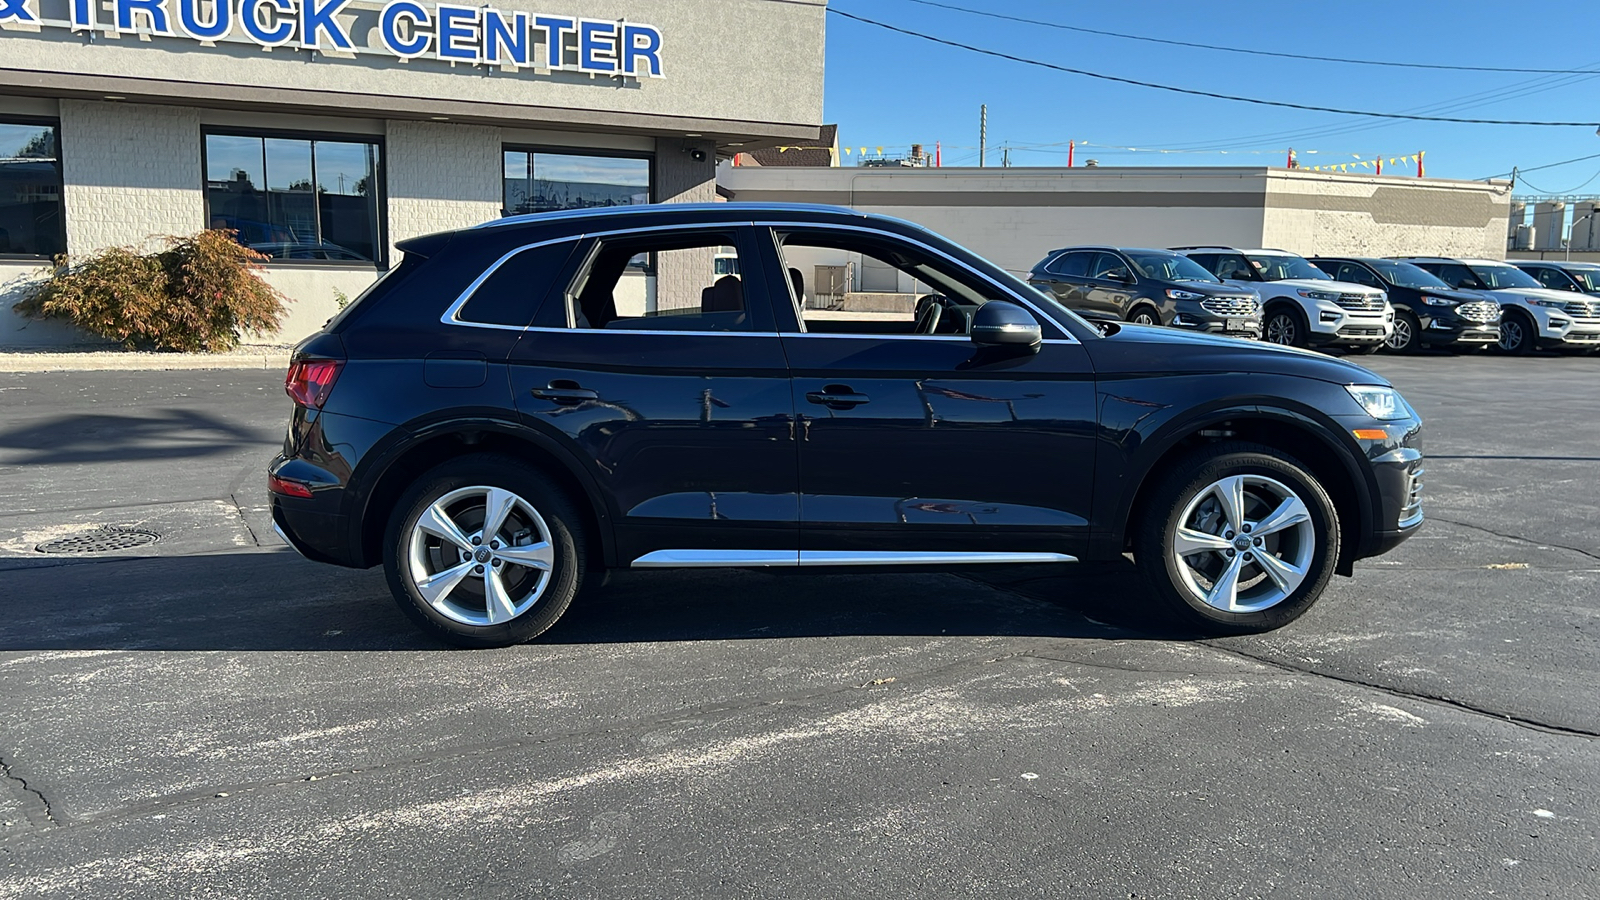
pixel 104 539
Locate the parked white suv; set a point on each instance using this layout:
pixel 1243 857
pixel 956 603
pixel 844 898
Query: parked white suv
pixel 1302 305
pixel 1531 315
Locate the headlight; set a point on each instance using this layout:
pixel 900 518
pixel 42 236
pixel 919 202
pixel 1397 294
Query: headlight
pixel 1176 294
pixel 1319 295
pixel 1382 403
pixel 1439 301
pixel 1550 304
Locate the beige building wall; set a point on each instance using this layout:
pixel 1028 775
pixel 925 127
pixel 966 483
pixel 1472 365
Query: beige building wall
pixel 1016 216
pixel 1376 215
pixel 131 173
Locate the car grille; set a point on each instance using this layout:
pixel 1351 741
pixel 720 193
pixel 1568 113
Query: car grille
pixel 1583 337
pixel 1360 302
pixel 1361 331
pixel 1583 309
pixel 1230 306
pixel 1481 311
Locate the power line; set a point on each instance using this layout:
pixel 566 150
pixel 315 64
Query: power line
pixel 1198 93
pixel 1564 162
pixel 1570 190
pixel 1242 50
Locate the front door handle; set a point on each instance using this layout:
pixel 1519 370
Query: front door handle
pixel 837 396
pixel 565 392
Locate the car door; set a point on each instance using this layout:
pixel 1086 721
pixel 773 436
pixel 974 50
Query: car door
pixel 1553 278
pixel 667 381
pixel 1066 276
pixel 920 447
pixel 1107 294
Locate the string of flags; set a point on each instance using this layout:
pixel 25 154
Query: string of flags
pixel 1376 164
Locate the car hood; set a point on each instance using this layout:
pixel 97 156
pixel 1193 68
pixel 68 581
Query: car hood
pixel 1153 350
pixel 1317 284
pixel 1515 294
pixel 1460 295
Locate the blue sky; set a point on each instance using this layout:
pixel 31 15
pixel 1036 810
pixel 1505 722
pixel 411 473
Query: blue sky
pixel 892 90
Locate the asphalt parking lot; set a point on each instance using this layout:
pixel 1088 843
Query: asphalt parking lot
pixel 213 716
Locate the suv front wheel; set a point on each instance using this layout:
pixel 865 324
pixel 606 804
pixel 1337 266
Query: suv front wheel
pixel 1238 539
pixel 1284 325
pixel 484 551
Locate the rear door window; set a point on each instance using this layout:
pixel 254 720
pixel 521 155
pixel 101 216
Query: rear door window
pixel 671 281
pixel 1072 264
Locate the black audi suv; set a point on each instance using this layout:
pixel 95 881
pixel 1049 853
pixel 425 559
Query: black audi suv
pixel 518 407
pixel 1146 287
pixel 1428 312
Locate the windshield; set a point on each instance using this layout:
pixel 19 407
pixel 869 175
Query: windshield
pixel 1278 268
pixel 1407 275
pixel 1171 267
pixel 1588 279
pixel 1497 278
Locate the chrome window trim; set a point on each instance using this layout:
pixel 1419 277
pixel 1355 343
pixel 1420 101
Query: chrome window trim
pixel 700 559
pixel 450 316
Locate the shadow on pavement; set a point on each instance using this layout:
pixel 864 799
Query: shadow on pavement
pixel 277 602
pixel 163 434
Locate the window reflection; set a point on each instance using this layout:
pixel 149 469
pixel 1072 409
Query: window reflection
pixel 536 181
pixel 296 198
pixel 30 191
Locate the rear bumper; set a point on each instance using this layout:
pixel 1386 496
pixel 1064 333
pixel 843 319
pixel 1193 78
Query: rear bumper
pixel 316 527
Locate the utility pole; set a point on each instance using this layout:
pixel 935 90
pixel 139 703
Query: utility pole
pixel 1005 156
pixel 983 135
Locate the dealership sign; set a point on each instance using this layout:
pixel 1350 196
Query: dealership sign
pixel 405 28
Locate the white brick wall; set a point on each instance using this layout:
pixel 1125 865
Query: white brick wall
pixel 441 176
pixel 132 171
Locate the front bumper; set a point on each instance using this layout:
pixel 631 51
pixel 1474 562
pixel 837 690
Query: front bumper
pixel 1396 463
pixel 1231 326
pixel 1447 330
pixel 1336 325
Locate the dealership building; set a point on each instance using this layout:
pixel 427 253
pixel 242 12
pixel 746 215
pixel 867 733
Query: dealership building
pixel 325 131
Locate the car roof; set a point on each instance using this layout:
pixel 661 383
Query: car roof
pixel 1269 251
pixel 1463 260
pixel 1117 249
pixel 1555 263
pixel 605 212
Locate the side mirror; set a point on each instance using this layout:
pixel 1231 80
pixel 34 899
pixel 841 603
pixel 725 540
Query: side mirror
pixel 998 323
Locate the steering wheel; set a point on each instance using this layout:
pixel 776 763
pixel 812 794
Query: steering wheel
pixel 930 309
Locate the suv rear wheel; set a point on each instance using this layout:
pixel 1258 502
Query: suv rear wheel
pixel 1239 538
pixel 484 551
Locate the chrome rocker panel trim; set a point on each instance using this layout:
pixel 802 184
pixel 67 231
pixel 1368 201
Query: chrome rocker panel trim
pixel 687 559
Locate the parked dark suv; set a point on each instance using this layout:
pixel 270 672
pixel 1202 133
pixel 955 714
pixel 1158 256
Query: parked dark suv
pixel 1146 287
pixel 517 407
pixel 1562 275
pixel 1428 312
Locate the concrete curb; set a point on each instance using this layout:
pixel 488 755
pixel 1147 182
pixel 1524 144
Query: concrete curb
pixel 265 359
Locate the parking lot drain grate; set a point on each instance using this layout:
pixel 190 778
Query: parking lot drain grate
pixel 101 540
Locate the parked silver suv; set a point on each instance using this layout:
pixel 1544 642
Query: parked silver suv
pixel 1302 305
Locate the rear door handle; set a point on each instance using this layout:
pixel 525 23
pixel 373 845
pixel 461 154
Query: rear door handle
pixel 565 392
pixel 837 396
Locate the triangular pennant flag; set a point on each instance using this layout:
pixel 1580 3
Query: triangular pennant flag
pixel 880 151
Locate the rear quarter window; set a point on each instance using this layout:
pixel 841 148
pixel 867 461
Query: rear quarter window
pixel 510 294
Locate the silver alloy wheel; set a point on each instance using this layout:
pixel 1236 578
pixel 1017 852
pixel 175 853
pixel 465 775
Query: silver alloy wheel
pixel 1244 544
pixel 1281 329
pixel 1143 317
pixel 1400 338
pixel 1511 334
pixel 480 555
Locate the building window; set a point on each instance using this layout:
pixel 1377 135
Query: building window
pixel 540 181
pixel 297 198
pixel 30 190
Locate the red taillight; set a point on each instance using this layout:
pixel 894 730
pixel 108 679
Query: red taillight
pixel 310 381
pixel 287 488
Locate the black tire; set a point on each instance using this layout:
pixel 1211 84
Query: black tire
pixel 1144 315
pixel 1284 324
pixel 552 509
pixel 1407 336
pixel 1191 477
pixel 1518 334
